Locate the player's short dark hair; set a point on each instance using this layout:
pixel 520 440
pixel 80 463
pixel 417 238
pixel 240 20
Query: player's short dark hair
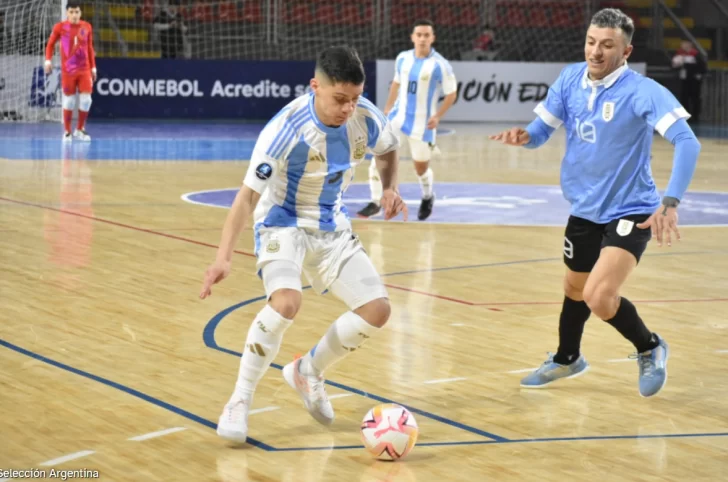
pixel 614 18
pixel 341 64
pixel 424 22
pixel 73 5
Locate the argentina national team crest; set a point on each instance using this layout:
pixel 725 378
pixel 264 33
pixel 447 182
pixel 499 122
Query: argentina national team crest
pixel 608 111
pixel 359 148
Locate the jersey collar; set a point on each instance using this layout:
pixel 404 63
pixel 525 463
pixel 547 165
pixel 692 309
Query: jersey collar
pixel 607 81
pixel 431 54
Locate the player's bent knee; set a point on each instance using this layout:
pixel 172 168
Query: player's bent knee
pixel 573 292
pixel 68 102
pixel 421 167
pixel 601 300
pixel 286 302
pixel 84 102
pixel 376 312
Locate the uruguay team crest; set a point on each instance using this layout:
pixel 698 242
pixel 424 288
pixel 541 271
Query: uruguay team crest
pixel 608 111
pixel 360 148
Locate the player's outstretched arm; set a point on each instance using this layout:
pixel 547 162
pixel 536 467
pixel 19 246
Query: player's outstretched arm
pixel 515 136
pixel 392 203
pixel 237 217
pixel 534 135
pixel 687 149
pixel 50 47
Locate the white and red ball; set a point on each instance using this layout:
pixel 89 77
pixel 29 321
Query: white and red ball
pixel 389 431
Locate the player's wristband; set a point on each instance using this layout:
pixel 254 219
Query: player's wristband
pixel 670 202
pixel 48 62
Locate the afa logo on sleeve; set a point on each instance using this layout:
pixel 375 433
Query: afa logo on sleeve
pixel 264 171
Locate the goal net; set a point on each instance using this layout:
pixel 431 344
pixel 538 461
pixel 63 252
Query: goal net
pixel 26 93
pixel 520 30
pixel 488 30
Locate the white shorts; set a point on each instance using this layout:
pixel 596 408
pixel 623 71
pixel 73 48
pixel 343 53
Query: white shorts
pixel 419 150
pixel 334 261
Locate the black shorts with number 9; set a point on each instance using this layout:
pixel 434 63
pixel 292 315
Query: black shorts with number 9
pixel 584 240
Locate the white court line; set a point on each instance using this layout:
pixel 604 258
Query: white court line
pixel 457 324
pixel 445 380
pixel 522 370
pixel 264 409
pixel 340 395
pixel 160 433
pixel 721 351
pixel 620 360
pixel 66 458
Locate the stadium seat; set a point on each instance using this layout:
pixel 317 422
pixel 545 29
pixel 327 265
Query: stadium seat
pixel 201 12
pixel 351 15
pixel 252 11
pixel 326 13
pixel 298 13
pixel 228 12
pixel 446 17
pixel 399 15
pixel 469 16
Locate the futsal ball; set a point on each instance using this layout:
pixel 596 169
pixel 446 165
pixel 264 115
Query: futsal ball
pixel 389 432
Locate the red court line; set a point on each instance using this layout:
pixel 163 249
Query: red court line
pixel 122 225
pixel 402 288
pixel 433 295
pixel 526 303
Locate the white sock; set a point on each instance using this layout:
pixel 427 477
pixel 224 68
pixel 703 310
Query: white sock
pixel 426 181
pixel 375 184
pixel 261 347
pixel 344 336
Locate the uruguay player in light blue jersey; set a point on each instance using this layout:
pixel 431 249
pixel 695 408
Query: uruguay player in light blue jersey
pixel 301 165
pixel 610 114
pixel 413 110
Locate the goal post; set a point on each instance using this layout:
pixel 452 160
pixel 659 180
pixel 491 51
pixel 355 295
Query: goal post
pixel 26 93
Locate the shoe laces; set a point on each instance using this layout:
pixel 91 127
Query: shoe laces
pixel 645 362
pixel 236 411
pixel 317 388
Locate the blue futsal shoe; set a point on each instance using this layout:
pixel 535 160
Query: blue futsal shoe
pixel 551 371
pixel 653 368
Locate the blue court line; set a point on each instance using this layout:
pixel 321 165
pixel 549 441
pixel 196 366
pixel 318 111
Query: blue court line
pixel 130 391
pixel 208 336
pixel 524 440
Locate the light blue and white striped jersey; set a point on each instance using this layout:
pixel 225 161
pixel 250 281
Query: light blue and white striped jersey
pixel 421 80
pixel 610 124
pixel 301 167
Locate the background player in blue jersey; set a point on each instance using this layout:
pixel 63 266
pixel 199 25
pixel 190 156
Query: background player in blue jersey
pixel 610 113
pixel 303 161
pixel 414 111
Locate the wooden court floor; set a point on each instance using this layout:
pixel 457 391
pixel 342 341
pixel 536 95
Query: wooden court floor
pixel 110 363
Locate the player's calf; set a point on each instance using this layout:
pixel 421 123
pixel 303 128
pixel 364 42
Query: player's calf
pixel 84 105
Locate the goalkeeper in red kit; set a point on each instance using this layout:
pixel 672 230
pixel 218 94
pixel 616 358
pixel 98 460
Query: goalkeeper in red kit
pixel 78 67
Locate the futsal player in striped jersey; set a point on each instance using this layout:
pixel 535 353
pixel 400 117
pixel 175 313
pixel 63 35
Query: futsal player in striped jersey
pixel 421 75
pixel 302 162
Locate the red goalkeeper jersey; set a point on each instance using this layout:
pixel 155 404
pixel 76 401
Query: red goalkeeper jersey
pixel 77 48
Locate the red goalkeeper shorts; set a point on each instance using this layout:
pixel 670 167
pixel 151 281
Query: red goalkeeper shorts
pixel 77 80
